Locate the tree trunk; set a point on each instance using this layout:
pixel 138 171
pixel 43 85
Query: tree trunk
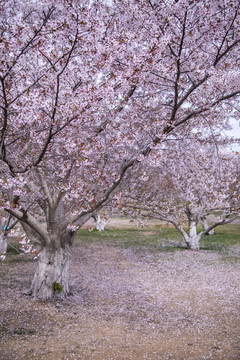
pixel 193 238
pixel 51 277
pixel 100 223
pixel 3 237
pixel 193 243
pixel 3 244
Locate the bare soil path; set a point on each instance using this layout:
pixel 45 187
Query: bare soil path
pixel 126 305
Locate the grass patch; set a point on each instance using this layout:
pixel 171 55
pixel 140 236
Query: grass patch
pixel 161 238
pixel 24 331
pixel 14 254
pixel 231 259
pixel 13 248
pixel 223 238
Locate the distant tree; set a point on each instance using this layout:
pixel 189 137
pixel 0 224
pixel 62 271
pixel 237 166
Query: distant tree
pixel 190 182
pixel 3 237
pixel 100 221
pixel 7 223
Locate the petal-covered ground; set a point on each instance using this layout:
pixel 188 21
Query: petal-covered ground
pixel 126 305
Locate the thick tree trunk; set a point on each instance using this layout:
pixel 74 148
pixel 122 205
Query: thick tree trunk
pixel 193 243
pixel 193 215
pixel 193 238
pixel 51 277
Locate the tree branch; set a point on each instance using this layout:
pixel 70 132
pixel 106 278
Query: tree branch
pixel 23 215
pixel 125 166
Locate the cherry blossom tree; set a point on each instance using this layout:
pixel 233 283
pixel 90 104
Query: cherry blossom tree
pixel 100 221
pixel 191 181
pixel 88 90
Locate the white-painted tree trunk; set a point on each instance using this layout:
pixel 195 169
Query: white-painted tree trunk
pixel 193 243
pixel 193 238
pixel 3 237
pixel 51 277
pixel 3 244
pixel 100 223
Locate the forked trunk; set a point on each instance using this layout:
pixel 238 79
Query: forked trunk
pixel 193 243
pixel 51 277
pixel 100 223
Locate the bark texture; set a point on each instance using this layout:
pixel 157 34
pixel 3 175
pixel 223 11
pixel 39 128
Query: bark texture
pixel 51 277
pixel 193 238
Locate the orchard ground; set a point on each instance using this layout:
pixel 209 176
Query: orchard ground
pixel 136 294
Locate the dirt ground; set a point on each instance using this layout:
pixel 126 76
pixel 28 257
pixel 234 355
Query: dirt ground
pixel 126 305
